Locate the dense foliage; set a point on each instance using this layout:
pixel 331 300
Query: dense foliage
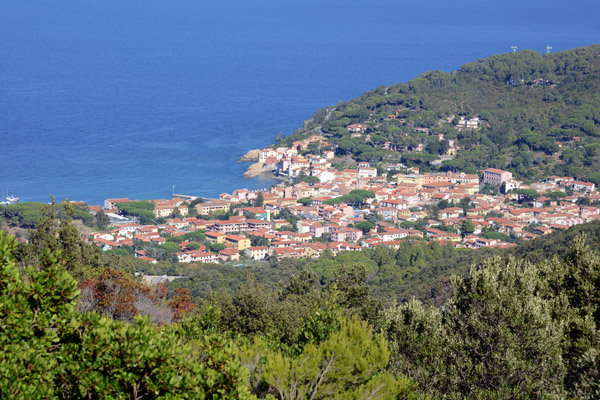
pixel 355 197
pixel 511 328
pixel 28 214
pixel 52 350
pixel 142 210
pixel 521 324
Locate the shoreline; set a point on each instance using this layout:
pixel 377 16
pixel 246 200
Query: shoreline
pixel 250 156
pixel 266 174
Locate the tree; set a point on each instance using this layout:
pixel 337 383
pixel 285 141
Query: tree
pixel 314 148
pixel 350 364
pixel 555 195
pixel 251 310
pixel 216 247
pixel 417 339
pixel 258 240
pixel 435 211
pixel 195 235
pixel 490 189
pixel 466 227
pixel 33 312
pixel 49 350
pixel 527 193
pixel 345 147
pixel 350 282
pixel 364 226
pixel 193 246
pixel 142 210
pixel 443 204
pixel 182 303
pixel 170 247
pixel 25 215
pixel 583 201
pixel 102 221
pixel 465 204
pixel 311 179
pixel 497 236
pixel 514 342
pixel 82 259
pixel 260 200
pixel 116 294
pixel 496 338
pixel 512 329
pixel 305 201
pixel 595 178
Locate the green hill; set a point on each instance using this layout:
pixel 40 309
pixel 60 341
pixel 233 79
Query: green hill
pixel 540 115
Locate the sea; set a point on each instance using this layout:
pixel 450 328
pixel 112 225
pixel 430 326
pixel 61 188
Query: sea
pixel 145 98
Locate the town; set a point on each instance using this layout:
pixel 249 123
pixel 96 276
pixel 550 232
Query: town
pixel 326 209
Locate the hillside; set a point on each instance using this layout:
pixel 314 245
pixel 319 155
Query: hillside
pixel 539 115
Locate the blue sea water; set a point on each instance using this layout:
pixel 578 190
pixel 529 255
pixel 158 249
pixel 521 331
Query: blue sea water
pixel 114 98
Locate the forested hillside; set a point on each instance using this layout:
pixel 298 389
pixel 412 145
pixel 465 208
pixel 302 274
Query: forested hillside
pixel 539 116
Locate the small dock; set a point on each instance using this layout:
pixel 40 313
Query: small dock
pixel 190 197
pixel 185 196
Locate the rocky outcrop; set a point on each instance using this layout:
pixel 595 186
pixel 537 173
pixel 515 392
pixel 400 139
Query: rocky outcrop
pixel 252 155
pixel 255 170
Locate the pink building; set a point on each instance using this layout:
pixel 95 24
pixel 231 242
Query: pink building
pixel 495 176
pixel 317 230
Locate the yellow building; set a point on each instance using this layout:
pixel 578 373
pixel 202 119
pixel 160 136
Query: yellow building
pixel 215 237
pixel 470 188
pixel 479 211
pixel 239 242
pixel 418 180
pixel 212 206
pixel 404 212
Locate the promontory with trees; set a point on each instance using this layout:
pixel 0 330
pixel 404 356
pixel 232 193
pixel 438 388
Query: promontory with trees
pixel 538 114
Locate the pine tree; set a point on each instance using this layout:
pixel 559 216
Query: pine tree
pixel 260 200
pixel 349 365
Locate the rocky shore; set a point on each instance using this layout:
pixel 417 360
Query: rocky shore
pixel 255 170
pixel 252 155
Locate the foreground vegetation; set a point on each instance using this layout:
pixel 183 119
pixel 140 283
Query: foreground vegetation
pixel 520 324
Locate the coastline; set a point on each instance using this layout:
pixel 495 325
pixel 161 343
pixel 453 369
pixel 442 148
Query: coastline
pixel 257 168
pixel 250 156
